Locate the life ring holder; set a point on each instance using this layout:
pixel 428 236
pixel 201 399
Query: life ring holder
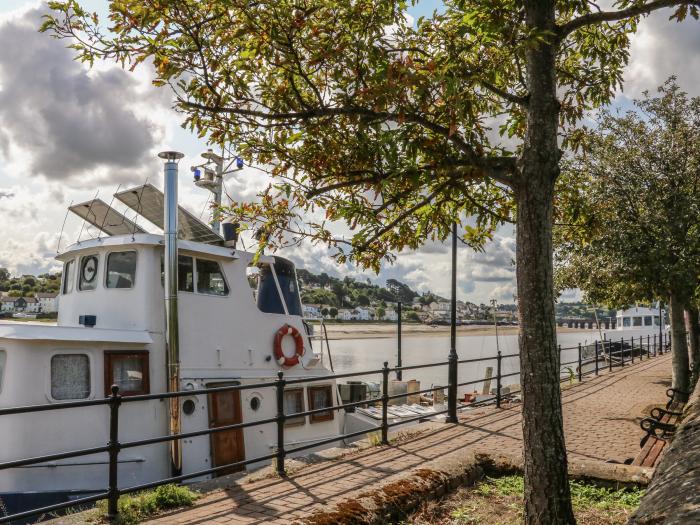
pixel 282 359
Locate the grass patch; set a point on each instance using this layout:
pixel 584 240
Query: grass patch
pixel 499 501
pixel 134 508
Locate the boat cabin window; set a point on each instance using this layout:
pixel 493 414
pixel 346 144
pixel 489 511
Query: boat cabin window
pixel 626 322
pixel 320 397
pixel 210 278
pixel 68 276
pixel 88 273
pixel 185 273
pixel 3 360
pixel 647 320
pixel 70 376
pixel 127 370
pixel 637 321
pixel 293 404
pixel 121 269
pixel 656 320
pixel 268 295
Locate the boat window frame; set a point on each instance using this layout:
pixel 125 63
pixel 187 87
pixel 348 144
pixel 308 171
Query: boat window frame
pixel 70 351
pixel 321 416
pixel 106 273
pixel 291 420
pixel 144 358
pixel 634 321
pixel 626 322
pixel 195 275
pixel 3 367
pixel 227 288
pixel 79 278
pixel 66 272
pixel 651 320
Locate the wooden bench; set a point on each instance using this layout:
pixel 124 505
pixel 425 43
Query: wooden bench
pixel 660 427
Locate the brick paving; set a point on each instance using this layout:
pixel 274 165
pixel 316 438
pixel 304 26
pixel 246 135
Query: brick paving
pixel 601 421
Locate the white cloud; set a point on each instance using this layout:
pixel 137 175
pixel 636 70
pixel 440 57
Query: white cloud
pixel 63 122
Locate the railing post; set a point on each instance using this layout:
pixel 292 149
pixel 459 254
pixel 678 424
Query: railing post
pixel 385 403
pixel 596 357
pixel 113 492
pixel 499 360
pixel 279 386
pixel 648 347
pixel 580 364
pixel 452 388
pixel 622 351
pixel 632 349
pixel 654 340
pixel 661 344
pixel 610 363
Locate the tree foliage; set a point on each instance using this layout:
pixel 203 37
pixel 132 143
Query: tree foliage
pixel 632 204
pixel 361 117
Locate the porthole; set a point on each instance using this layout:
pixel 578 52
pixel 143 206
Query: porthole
pixel 255 404
pixel 188 407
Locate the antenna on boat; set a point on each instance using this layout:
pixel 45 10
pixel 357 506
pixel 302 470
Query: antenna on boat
pixel 172 337
pixel 87 215
pixel 138 211
pixel 99 232
pixel 210 175
pixel 60 235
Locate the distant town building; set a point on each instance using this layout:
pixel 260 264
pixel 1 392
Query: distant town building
pixel 42 303
pixel 312 311
pixel 48 302
pixel 355 314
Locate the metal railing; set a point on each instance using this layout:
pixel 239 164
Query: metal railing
pixel 115 400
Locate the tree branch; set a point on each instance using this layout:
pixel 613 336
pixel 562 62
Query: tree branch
pixel 510 97
pixel 612 16
pixel 501 169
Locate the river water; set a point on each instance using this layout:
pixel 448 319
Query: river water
pixel 356 355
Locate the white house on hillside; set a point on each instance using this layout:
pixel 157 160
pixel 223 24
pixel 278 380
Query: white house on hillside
pixel 312 311
pixel 356 314
pixel 48 302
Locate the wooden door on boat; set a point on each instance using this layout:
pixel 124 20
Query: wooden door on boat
pixel 226 446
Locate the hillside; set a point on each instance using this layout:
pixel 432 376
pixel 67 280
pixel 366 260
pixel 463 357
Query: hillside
pixel 28 285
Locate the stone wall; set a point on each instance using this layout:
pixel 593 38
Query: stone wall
pixel 673 497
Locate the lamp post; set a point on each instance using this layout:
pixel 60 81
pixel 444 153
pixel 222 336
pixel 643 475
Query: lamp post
pixel 452 359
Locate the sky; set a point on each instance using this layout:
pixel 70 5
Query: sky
pixel 67 132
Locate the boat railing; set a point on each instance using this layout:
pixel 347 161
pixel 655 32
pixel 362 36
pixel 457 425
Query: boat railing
pixel 612 353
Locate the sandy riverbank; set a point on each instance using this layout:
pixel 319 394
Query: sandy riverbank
pixel 377 330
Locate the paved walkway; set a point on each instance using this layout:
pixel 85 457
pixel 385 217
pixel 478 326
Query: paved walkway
pixel 601 418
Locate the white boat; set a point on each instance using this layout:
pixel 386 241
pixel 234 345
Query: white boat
pixel 118 323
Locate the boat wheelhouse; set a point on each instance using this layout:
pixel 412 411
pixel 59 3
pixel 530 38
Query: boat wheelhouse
pixel 116 324
pixel 637 318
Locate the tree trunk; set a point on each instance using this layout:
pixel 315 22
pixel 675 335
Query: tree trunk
pixel 547 495
pixel 694 333
pixel 679 346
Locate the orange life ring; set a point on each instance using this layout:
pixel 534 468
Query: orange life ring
pixel 282 359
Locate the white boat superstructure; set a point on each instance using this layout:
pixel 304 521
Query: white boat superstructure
pixel 112 328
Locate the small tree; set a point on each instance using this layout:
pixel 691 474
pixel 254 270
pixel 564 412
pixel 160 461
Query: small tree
pixel 333 312
pixel 325 312
pixel 363 300
pixel 633 211
pixel 381 312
